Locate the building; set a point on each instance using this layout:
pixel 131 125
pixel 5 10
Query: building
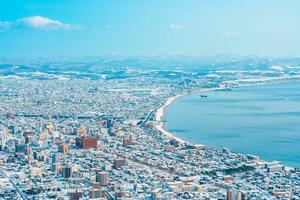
pixel 80 131
pixel 120 133
pixel 10 115
pixel 119 194
pixel 86 142
pixel 119 162
pixel 96 194
pixel 7 190
pixel 64 148
pixel 29 135
pixel 107 167
pixel 29 151
pixel 39 155
pixel 234 195
pixel 96 186
pixel 75 195
pixel 274 167
pixel 174 142
pixel 225 150
pixel 127 142
pixel 54 158
pixel 67 172
pixel 102 178
pixel 104 130
pixel 109 123
pixel 54 167
pixel 227 178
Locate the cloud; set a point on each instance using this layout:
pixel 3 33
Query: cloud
pixel 229 34
pixel 37 22
pixel 176 27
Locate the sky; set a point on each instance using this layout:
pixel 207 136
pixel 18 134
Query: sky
pixel 153 27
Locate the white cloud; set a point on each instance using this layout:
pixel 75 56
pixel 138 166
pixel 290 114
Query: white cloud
pixel 229 34
pixel 176 27
pixel 37 22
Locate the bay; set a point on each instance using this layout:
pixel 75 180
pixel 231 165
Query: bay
pixel 262 120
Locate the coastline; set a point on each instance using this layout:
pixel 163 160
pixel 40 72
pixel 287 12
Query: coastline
pixel 159 114
pixel 160 125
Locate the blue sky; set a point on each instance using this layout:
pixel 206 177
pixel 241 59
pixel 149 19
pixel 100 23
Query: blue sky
pixel 154 27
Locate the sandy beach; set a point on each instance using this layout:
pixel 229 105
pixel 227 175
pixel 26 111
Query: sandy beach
pixel 160 112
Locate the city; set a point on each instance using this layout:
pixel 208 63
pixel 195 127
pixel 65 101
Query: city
pixel 149 100
pixel 80 138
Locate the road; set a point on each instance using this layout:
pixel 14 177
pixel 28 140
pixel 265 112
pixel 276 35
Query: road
pixel 148 117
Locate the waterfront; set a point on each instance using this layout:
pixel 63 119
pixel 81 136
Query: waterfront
pixel 261 120
pixel 100 138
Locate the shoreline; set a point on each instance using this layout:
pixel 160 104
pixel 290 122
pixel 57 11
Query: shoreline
pixel 160 113
pixel 160 125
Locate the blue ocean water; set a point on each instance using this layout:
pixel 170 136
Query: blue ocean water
pixel 262 120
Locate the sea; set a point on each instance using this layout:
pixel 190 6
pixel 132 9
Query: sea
pixel 262 120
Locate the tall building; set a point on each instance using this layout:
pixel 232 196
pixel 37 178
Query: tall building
pixel 53 158
pixel 109 123
pixel 86 142
pixel 102 178
pixel 29 135
pixel 67 172
pixel 234 195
